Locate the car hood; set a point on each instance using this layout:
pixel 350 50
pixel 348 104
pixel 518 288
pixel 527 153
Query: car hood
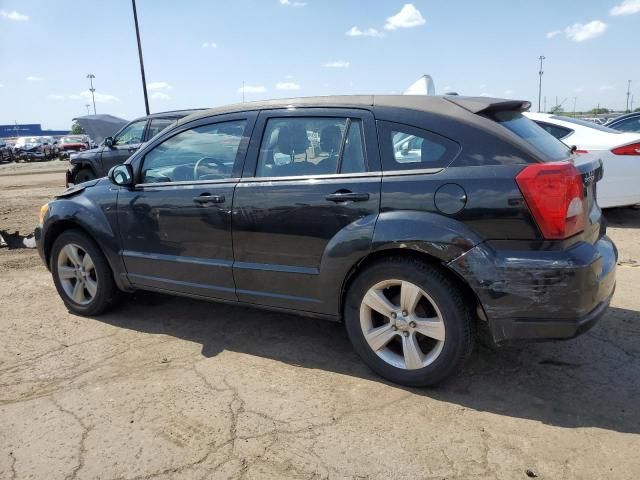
pixel 76 189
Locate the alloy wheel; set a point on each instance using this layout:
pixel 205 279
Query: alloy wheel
pixel 77 274
pixel 402 324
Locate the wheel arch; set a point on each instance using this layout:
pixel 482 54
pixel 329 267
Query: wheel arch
pixel 418 256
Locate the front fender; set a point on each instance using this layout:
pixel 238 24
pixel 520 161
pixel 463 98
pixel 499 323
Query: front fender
pixel 441 237
pixel 93 211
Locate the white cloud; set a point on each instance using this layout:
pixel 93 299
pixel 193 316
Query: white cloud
pixel 252 89
pixel 33 78
pixel 337 64
pixel 160 96
pixel 627 7
pixel 287 86
pixel 604 88
pixel 100 97
pixel 508 92
pixel 579 89
pixel 209 45
pixel 159 86
pixel 484 85
pixel 579 32
pixel 13 15
pixel 55 96
pixel 554 33
pixel 289 3
pixel 1 85
pixel 369 32
pixel 408 17
pixel 74 97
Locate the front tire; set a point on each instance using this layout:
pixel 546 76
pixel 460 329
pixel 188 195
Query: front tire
pixel 409 322
pixel 82 274
pixel 84 175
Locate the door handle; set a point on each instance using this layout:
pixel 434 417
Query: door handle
pixel 132 149
pixel 347 197
pixel 204 199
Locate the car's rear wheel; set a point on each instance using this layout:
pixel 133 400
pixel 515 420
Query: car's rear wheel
pixel 82 274
pixel 84 175
pixel 409 322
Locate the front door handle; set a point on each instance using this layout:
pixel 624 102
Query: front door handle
pixel 347 197
pixel 204 199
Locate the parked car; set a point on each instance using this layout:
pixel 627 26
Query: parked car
pixel 95 163
pixel 50 147
pixel 72 144
pixel 626 123
pixel 29 148
pixel 619 152
pixel 496 221
pixel 6 151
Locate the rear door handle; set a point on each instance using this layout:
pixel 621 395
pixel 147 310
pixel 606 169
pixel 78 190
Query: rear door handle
pixel 347 197
pixel 204 199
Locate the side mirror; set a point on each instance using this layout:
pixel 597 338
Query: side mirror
pixel 108 141
pixel 121 175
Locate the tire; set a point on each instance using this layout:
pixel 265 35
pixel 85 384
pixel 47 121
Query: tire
pixel 450 322
pixel 84 175
pixel 97 292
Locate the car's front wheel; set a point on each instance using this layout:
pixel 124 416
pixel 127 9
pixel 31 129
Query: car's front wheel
pixel 82 274
pixel 84 175
pixel 409 322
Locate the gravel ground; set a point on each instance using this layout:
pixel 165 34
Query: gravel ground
pixel 173 388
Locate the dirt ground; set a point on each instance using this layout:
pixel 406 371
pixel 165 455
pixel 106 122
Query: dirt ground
pixel 173 388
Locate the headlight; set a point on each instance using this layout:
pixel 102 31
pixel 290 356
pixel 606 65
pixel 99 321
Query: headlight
pixel 43 211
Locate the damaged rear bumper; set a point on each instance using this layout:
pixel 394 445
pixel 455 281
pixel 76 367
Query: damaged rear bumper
pixel 541 295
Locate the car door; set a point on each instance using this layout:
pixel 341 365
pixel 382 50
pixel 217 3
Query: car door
pixel 125 143
pixel 306 206
pixel 175 224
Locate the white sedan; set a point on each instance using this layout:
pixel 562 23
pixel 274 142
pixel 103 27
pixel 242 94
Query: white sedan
pixel 619 151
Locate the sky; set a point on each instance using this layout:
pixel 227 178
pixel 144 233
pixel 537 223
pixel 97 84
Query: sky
pixel 198 53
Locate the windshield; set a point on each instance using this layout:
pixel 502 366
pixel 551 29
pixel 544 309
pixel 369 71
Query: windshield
pixel 533 134
pixel 28 140
pixel 586 123
pixel 72 140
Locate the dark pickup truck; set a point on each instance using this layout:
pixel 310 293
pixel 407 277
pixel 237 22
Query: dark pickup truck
pixel 95 163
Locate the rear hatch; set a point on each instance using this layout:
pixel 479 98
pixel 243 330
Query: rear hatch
pixel 590 166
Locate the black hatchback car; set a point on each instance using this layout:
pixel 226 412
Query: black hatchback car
pixel 411 219
pixel 95 163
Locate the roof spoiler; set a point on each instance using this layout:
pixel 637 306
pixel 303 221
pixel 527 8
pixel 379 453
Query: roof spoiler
pixel 487 105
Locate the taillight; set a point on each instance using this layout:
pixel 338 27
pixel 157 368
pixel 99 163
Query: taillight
pixel 633 149
pixel 554 193
pixel 580 152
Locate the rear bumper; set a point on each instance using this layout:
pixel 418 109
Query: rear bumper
pixel 541 295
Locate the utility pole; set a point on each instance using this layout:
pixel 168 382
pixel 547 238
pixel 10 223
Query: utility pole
pixel 144 82
pixel 87 105
pixel 91 76
pixel 628 93
pixel 540 72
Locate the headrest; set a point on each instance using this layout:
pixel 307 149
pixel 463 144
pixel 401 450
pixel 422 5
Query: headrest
pixel 292 139
pixel 330 138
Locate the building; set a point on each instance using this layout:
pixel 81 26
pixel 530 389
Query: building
pixel 27 130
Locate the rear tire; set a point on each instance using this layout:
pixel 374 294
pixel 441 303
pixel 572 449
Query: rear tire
pixel 419 330
pixel 84 175
pixel 82 274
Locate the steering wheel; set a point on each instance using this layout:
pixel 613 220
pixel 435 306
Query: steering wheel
pixel 215 161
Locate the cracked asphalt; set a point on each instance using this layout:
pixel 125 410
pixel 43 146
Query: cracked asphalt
pixel 173 388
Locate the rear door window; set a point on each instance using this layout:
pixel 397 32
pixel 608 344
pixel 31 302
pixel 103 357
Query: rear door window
pixel 410 148
pixel 533 134
pixel 156 125
pixel 555 130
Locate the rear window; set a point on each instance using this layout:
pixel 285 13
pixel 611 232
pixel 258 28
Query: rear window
pixel 547 144
pixel 585 123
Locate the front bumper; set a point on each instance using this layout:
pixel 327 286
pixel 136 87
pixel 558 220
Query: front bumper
pixel 40 244
pixel 541 295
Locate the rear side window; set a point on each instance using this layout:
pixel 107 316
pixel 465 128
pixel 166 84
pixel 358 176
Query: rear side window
pixel 628 125
pixel 409 148
pixel 300 146
pixel 156 125
pixel 547 144
pixel 555 130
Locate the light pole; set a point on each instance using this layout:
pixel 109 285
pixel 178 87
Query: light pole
pixel 144 82
pixel 540 72
pixel 87 105
pixel 91 76
pixel 628 93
